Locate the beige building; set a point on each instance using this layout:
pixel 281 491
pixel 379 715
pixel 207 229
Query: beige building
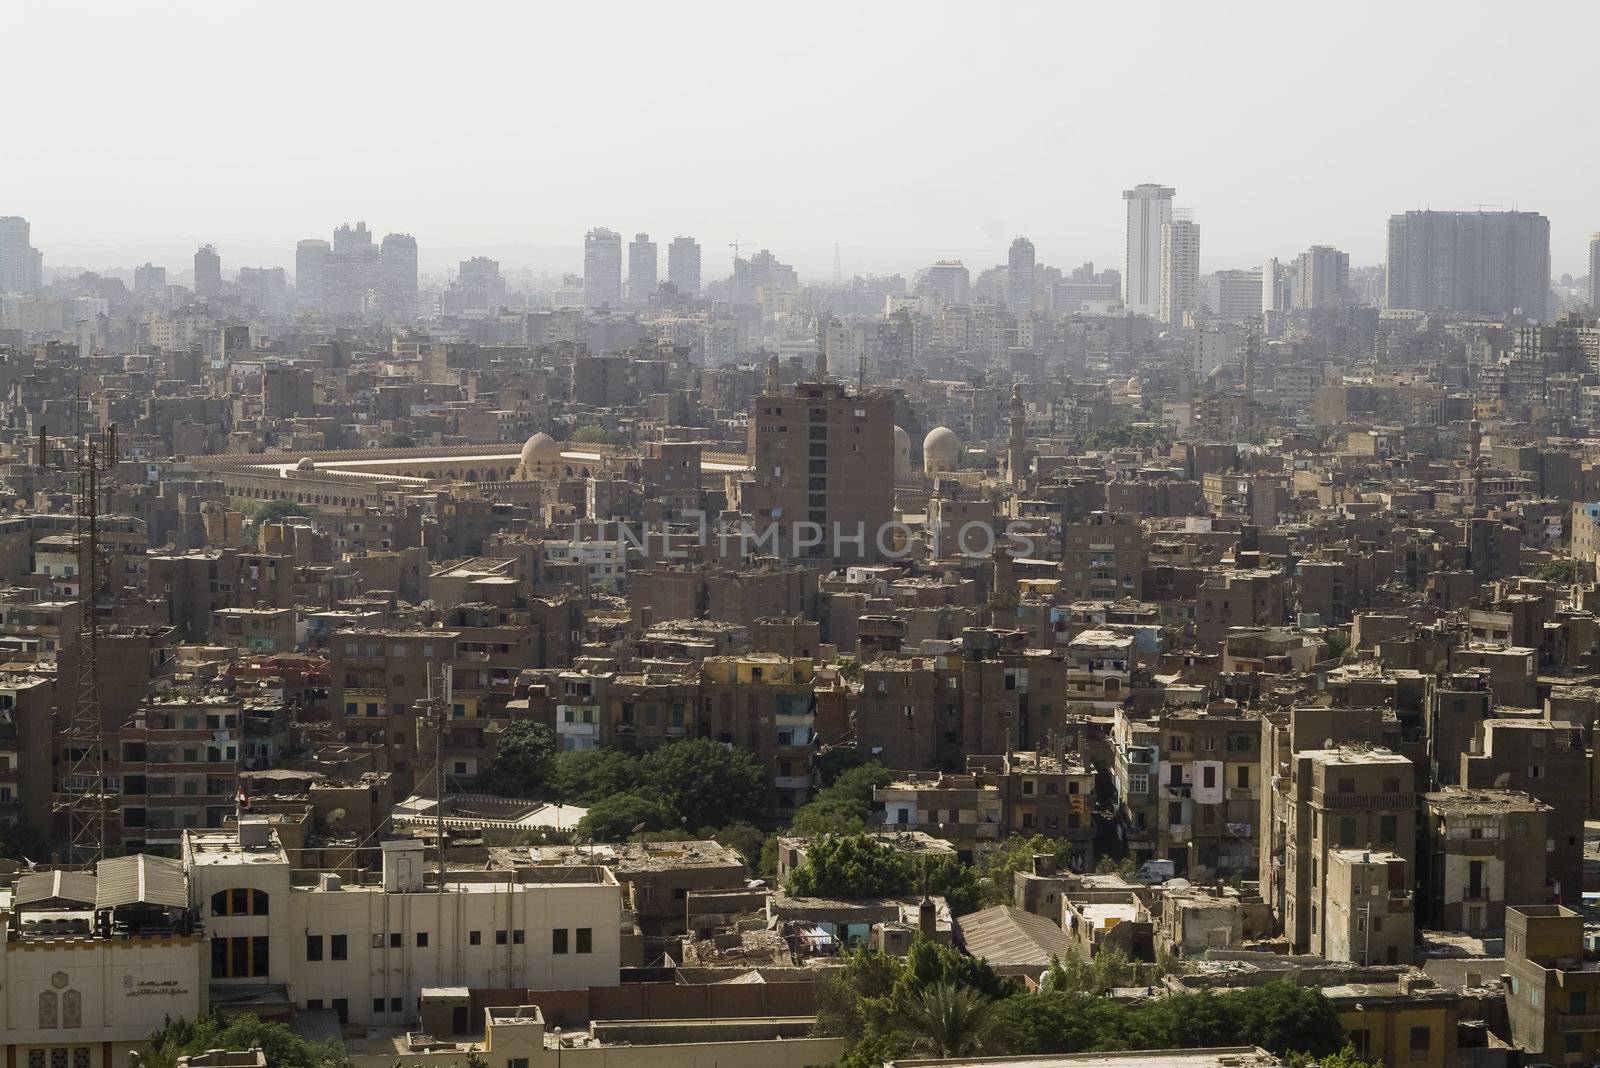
pixel 94 962
pixel 365 950
pixel 1341 799
pixel 516 1036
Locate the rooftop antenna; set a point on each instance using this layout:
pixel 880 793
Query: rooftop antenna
pixel 84 782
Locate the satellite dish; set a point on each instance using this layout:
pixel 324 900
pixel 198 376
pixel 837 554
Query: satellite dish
pixel 1177 884
pixel 1327 743
pixel 1502 781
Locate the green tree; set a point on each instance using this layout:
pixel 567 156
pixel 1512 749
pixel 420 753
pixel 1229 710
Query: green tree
pixel 1060 1021
pixel 705 782
pixel 1282 1017
pixel 524 760
pixel 1345 1058
pixel 593 435
pixel 865 978
pixel 22 841
pixel 1564 572
pixel 845 807
pixel 613 819
pixel 956 882
pixel 744 836
pixel 283 509
pixel 852 866
pixel 282 1047
pixel 948 1020
pixel 836 760
pixel 399 441
pixel 584 776
pixel 1016 854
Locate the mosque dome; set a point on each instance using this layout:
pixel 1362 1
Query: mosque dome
pixel 940 450
pixel 306 464
pixel 902 453
pixel 541 449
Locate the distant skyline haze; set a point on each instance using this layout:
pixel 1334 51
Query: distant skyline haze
pixel 903 132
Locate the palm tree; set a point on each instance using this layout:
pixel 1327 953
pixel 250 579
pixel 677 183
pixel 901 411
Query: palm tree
pixel 948 1020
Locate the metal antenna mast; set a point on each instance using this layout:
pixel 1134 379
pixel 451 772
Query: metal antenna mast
pixel 84 780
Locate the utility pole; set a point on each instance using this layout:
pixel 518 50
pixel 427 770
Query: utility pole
pixel 439 713
pixel 84 779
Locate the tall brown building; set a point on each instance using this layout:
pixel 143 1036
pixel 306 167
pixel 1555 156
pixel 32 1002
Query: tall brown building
pixel 823 470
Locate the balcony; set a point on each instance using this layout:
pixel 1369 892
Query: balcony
pixel 1396 801
pixel 1572 1022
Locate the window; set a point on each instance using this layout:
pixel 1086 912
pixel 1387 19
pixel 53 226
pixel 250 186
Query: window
pixel 1244 776
pixel 499 938
pixel 397 1004
pixel 558 940
pixel 395 940
pixel 339 947
pixel 422 939
pixel 1208 777
pixel 313 947
pixel 474 938
pixel 377 1006
pixel 1347 785
pixel 313 1003
pixel 517 1062
pixel 1421 1039
pixel 239 958
pixel 1388 829
pixel 585 940
pixel 342 1007
pixel 239 901
pixel 517 937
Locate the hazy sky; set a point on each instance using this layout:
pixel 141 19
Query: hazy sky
pixel 903 132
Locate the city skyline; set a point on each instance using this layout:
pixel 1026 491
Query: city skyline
pixel 1315 181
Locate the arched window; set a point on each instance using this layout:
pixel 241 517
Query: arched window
pixel 48 1016
pixel 71 1009
pixel 240 901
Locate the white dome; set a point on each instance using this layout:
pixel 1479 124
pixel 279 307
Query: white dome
pixel 540 449
pixel 940 450
pixel 902 452
pixel 306 464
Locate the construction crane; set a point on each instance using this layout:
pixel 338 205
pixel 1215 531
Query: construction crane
pixel 83 781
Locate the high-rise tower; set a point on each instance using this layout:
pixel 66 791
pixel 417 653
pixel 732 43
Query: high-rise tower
pixel 397 278
pixel 1020 261
pixel 642 269
pixel 16 256
pixel 1149 208
pixel 602 268
pixel 683 265
pixel 207 272
pixel 1180 270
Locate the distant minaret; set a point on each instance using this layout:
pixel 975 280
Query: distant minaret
pixel 1016 447
pixel 1474 459
pixel 1003 587
pixel 1252 344
pixel 772 375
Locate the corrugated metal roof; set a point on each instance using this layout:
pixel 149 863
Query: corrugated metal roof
pixel 77 887
pixel 1003 935
pixel 140 879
